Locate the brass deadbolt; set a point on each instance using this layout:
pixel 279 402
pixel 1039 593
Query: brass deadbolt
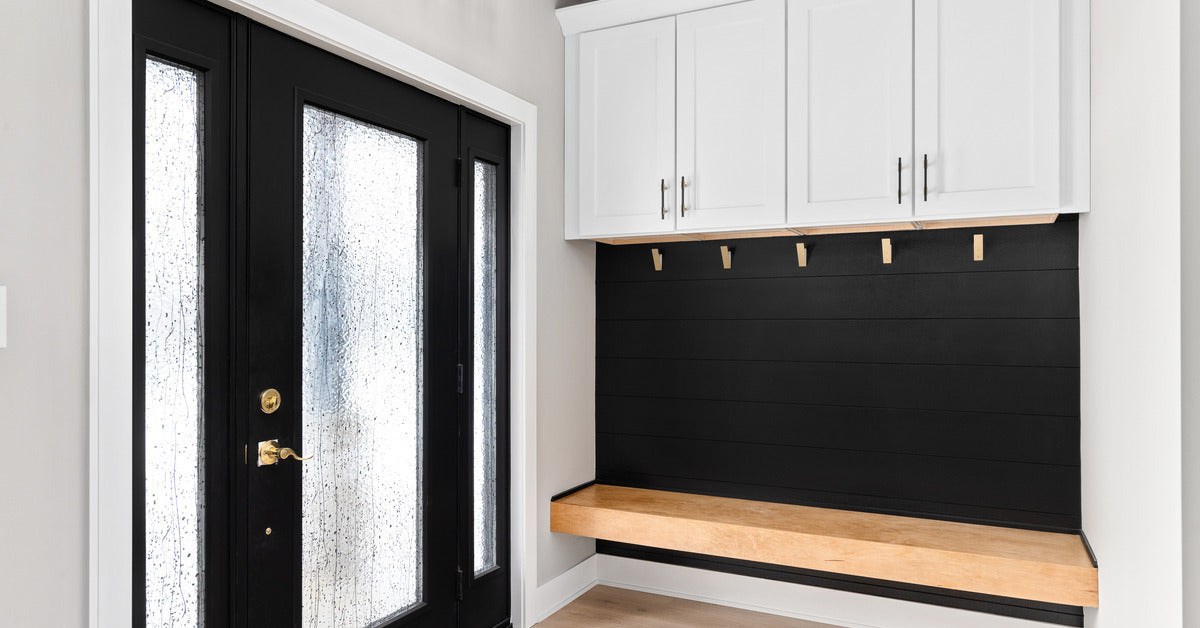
pixel 269 400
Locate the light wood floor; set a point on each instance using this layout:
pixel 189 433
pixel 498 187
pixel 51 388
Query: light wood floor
pixel 608 607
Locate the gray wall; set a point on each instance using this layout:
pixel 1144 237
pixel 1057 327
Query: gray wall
pixel 43 261
pixel 518 46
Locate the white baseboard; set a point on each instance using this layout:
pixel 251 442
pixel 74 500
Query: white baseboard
pixel 829 606
pixel 563 590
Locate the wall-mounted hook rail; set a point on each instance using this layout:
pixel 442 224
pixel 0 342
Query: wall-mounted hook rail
pixel 657 256
pixel 726 257
pixel 801 255
pixel 887 250
pixel 979 247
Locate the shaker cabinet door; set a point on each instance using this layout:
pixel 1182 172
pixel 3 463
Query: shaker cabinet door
pixel 987 106
pixel 731 140
pixel 849 111
pixel 627 129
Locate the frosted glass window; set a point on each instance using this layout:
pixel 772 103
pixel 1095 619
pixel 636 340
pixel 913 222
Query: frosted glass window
pixel 483 274
pixel 173 342
pixel 362 372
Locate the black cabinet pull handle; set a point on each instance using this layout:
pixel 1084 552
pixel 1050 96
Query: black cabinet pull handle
pixel 682 201
pixel 900 180
pixel 926 178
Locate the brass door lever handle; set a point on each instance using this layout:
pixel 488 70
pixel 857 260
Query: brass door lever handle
pixel 269 453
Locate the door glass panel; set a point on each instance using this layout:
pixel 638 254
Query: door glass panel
pixel 483 273
pixel 362 372
pixel 173 342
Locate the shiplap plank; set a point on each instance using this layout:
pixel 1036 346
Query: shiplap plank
pixel 1012 486
pixel 926 432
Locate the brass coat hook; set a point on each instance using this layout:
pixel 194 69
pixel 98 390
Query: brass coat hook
pixel 726 257
pixel 887 250
pixel 656 255
pixel 801 255
pixel 979 247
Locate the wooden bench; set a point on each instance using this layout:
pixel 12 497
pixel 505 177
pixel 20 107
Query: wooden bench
pixel 1006 562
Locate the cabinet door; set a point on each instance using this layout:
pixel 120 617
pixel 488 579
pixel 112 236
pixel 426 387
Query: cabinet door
pixel 731 155
pixel 987 106
pixel 849 111
pixel 627 129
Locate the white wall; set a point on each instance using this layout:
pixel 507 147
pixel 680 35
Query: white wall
pixel 1130 316
pixel 518 46
pixel 1191 311
pixel 43 261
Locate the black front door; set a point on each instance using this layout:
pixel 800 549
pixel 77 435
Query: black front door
pixel 341 241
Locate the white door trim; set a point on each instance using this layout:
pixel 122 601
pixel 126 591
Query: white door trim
pixel 110 281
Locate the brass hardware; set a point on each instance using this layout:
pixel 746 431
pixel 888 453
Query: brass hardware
pixel 269 453
pixel 662 198
pixel 801 255
pixel 682 203
pixel 979 247
pixel 269 400
pixel 887 250
pixel 726 258
pixel 268 531
pixel 656 255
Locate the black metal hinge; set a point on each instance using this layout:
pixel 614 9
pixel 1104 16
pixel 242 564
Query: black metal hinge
pixel 458 587
pixel 458 172
pixel 460 379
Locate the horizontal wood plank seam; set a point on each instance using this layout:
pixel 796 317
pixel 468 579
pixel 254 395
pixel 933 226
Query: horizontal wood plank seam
pixel 842 449
pixel 609 319
pixel 804 275
pixel 832 405
pixel 838 362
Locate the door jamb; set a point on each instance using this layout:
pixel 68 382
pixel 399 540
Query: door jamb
pixel 110 274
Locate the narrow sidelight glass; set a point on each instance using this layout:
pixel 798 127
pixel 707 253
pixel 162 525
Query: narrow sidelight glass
pixel 483 286
pixel 174 484
pixel 362 372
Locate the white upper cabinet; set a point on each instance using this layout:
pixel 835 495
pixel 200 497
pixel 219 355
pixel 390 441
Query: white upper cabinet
pixel 627 129
pixel 690 119
pixel 987 98
pixel 850 89
pixel 731 145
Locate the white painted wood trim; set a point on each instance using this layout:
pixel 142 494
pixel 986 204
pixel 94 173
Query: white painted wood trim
pixel 571 140
pixel 605 13
pixel 1076 102
pixel 110 318
pixel 565 588
pixel 829 606
pixel 110 134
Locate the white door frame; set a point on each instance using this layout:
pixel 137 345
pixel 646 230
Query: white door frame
pixel 110 281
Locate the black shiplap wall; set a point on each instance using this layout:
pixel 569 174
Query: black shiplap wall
pixel 935 386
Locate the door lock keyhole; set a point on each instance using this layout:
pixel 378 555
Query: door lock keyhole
pixel 269 400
